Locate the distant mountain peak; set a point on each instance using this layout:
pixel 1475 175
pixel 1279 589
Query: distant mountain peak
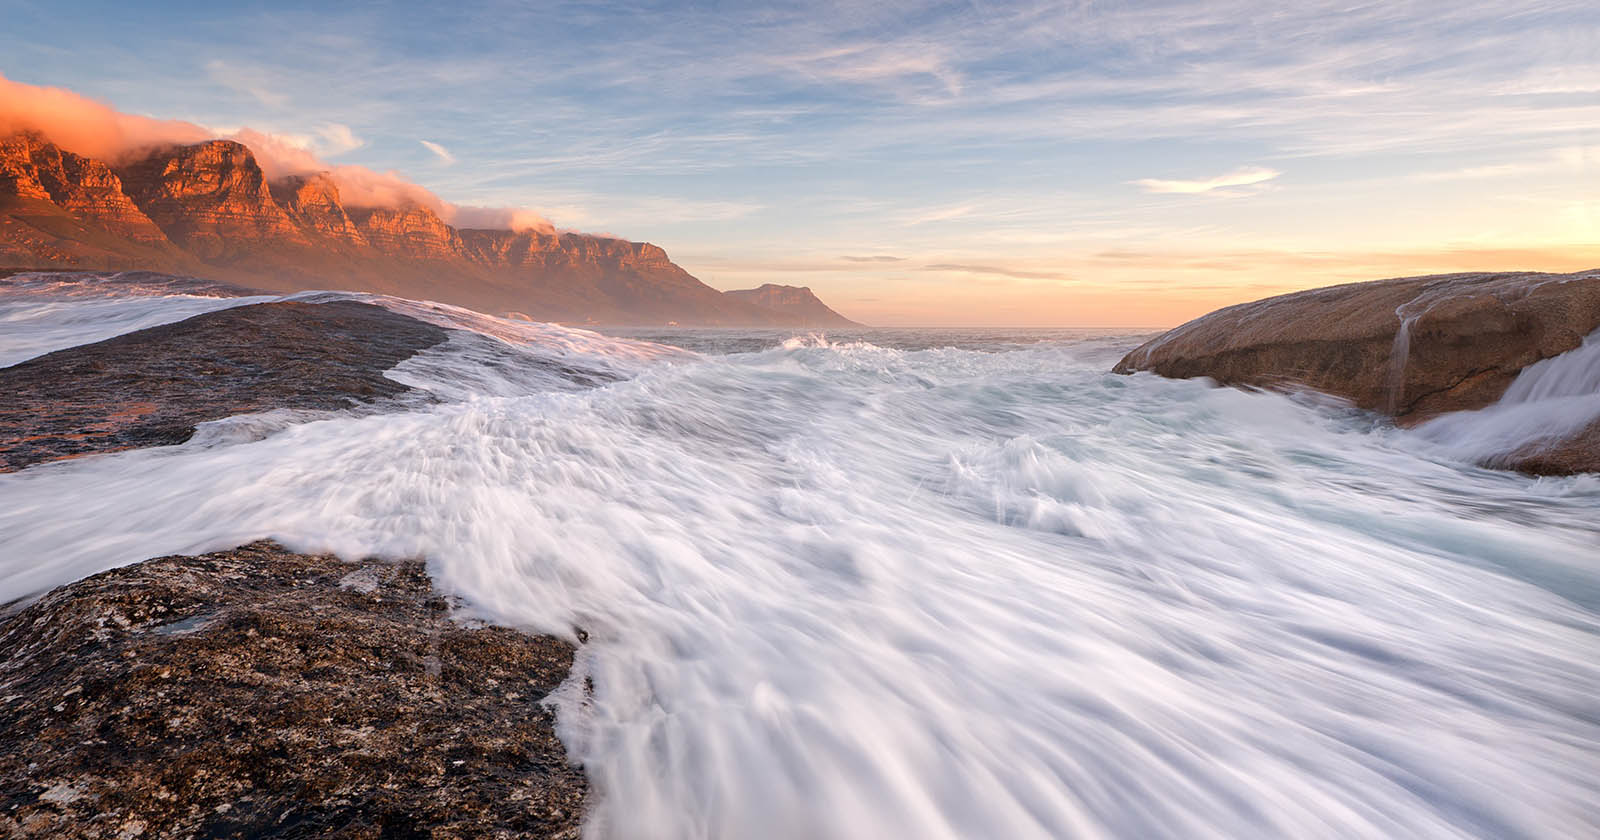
pixel 797 301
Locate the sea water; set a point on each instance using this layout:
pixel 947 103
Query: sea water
pixel 923 583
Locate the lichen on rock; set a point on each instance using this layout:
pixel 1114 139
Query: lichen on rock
pixel 262 693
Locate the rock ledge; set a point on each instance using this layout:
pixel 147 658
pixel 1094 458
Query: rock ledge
pixel 262 693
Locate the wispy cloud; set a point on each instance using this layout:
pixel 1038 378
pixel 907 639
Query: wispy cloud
pixel 874 259
pixel 940 214
pixel 997 271
pixel 880 63
pixel 1242 177
pixel 1576 159
pixel 439 151
pixel 253 83
pixel 998 135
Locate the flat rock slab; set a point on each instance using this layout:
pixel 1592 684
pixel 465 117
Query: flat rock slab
pixel 262 693
pixel 151 387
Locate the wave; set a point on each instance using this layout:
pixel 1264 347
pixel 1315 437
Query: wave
pixel 848 589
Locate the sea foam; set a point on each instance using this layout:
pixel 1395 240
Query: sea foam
pixel 844 588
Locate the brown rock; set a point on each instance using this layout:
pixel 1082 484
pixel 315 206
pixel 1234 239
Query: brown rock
pixel 151 387
pixel 19 172
pixel 262 693
pixel 58 207
pixel 408 231
pixel 1577 454
pixel 1467 337
pixel 1413 347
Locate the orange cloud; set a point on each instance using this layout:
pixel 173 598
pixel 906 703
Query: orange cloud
pixel 94 129
pixel 82 125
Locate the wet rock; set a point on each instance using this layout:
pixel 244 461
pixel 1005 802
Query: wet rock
pixel 1412 348
pixel 1465 338
pixel 262 693
pixel 1577 454
pixel 150 387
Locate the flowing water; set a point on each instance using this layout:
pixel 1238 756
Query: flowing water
pixel 929 584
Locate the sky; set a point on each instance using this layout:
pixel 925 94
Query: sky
pixel 922 163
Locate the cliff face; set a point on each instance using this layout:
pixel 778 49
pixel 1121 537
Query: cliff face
pixel 312 201
pixel 211 199
pixel 409 231
pixel 33 168
pixel 209 209
pixel 793 300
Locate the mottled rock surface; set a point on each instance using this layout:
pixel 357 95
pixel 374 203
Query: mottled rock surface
pixel 150 387
pixel 1467 338
pixel 262 693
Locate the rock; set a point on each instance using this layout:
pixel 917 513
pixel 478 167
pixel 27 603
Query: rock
pixel 212 199
pixel 85 188
pixel 262 693
pixel 793 300
pixel 312 201
pixel 150 387
pixel 1413 348
pixel 1466 337
pixel 1577 454
pixel 410 230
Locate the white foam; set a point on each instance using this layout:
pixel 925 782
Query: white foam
pixel 34 325
pixel 851 591
pixel 1549 402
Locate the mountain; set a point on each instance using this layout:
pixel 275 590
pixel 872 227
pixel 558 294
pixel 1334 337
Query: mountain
pixel 208 209
pixel 793 300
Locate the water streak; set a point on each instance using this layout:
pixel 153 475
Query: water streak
pixel 1549 402
pixel 835 588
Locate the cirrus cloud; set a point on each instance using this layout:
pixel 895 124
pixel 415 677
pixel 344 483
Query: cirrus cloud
pixel 439 151
pixel 1241 177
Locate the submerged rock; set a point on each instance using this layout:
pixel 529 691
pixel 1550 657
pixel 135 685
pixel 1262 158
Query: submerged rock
pixel 262 693
pixel 1412 347
pixel 150 387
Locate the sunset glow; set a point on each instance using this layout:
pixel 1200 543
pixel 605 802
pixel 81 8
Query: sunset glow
pixel 914 163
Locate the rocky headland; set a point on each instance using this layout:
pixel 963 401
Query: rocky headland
pixel 1413 348
pixel 208 209
pixel 799 301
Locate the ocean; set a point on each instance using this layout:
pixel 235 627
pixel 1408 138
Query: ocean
pixel 919 583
